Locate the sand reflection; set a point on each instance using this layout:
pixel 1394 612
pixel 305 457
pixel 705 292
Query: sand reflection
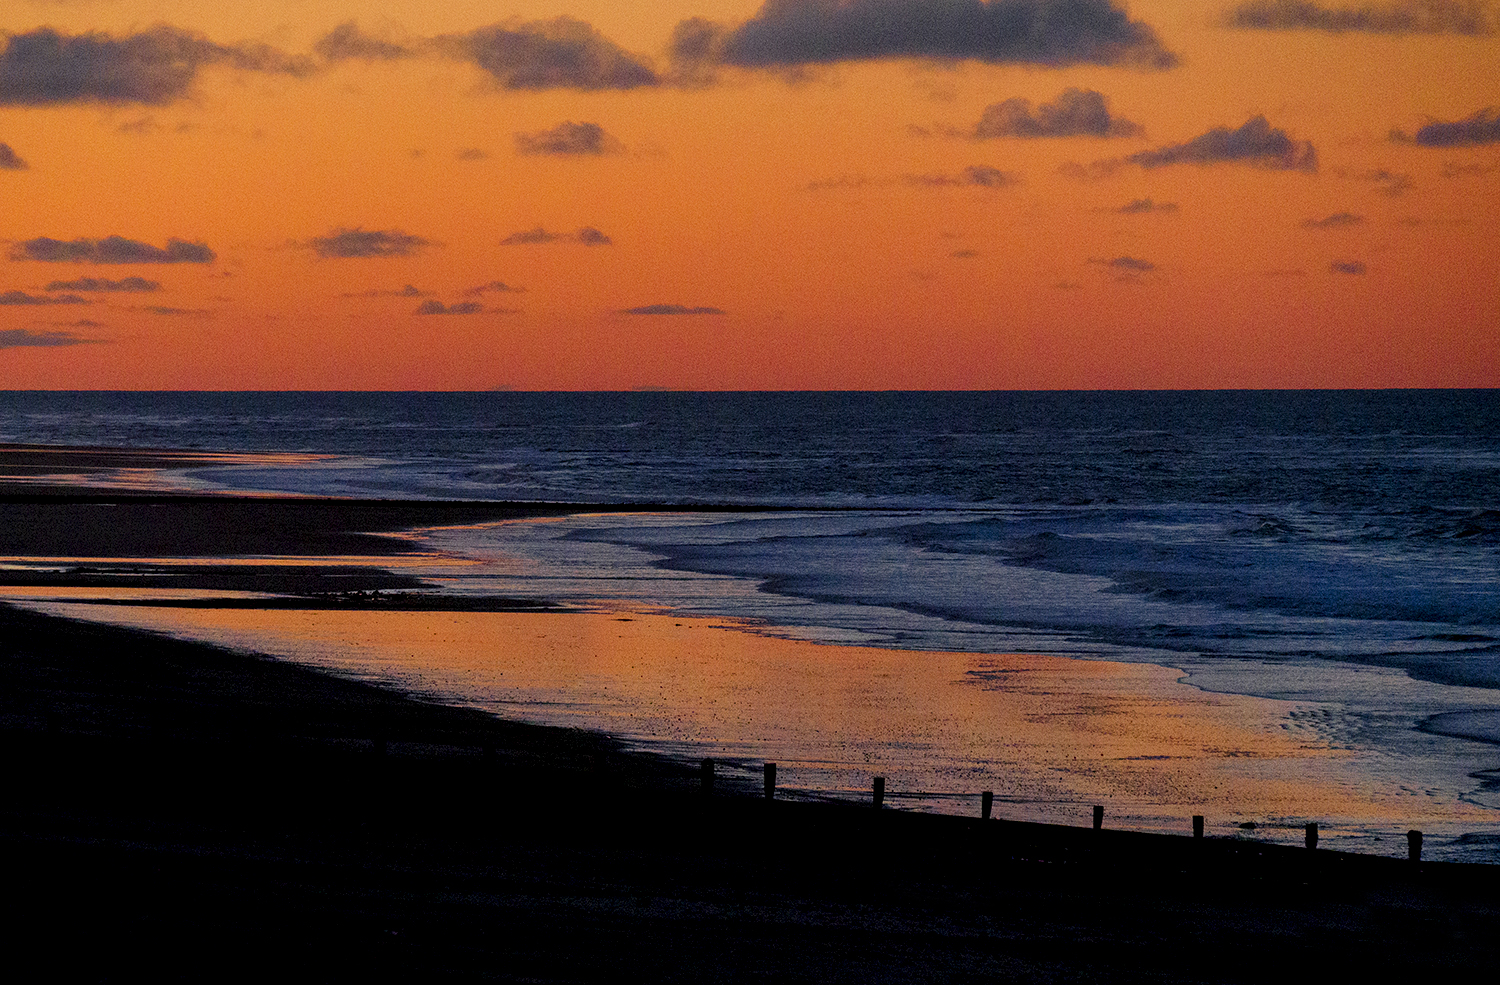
pixel 1049 735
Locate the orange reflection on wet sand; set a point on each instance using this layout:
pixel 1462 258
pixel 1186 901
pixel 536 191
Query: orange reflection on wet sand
pixel 1049 735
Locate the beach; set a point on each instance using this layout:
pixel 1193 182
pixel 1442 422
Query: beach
pixel 183 807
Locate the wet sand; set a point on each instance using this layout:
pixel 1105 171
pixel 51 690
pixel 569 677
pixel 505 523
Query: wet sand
pixel 178 809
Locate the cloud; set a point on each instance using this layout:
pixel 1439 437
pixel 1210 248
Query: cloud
pixel 21 297
pixel 1129 264
pixel 10 160
pixel 405 292
pixel 1074 113
pixel 588 236
pixel 1392 183
pixel 1141 206
pixel 470 154
pixel 976 175
pixel 17 338
pixel 154 67
pixel 1347 267
pixel 1473 17
pixel 161 309
pixel 1336 221
pixel 670 309
pixel 111 249
pixel 134 285
pixel 568 138
pixel 1257 142
pixel 359 243
pixel 347 41
pixel 561 53
pixel 433 307
pixel 787 34
pixel 1481 128
pixel 499 287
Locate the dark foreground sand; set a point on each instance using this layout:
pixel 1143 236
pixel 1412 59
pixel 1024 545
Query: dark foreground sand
pixel 174 810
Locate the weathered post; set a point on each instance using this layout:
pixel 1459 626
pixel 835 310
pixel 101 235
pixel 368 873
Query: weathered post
pixel 1197 825
pixel 706 777
pixel 1098 817
pixel 770 781
pixel 1312 834
pixel 986 802
pixel 879 792
pixel 1414 845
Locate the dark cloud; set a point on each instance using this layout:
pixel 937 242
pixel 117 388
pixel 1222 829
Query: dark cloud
pixel 588 236
pixel 111 249
pixel 1134 265
pixel 351 243
pixel 1336 221
pixel 10 160
pixel 405 292
pixel 17 338
pixel 1347 267
pixel 788 34
pixel 157 66
pixel 568 138
pixel 457 308
pixel 499 287
pixel 1074 113
pixel 562 53
pixel 21 297
pixel 976 175
pixel 133 285
pixel 964 254
pixel 1257 142
pixel 1473 17
pixel 1141 206
pixel 670 309
pixel 1481 128
pixel 347 41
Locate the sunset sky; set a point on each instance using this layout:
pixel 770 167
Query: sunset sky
pixel 730 194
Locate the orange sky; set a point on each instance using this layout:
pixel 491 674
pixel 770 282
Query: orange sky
pixel 826 199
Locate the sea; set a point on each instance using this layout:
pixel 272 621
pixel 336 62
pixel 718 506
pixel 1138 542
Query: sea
pixel 1331 557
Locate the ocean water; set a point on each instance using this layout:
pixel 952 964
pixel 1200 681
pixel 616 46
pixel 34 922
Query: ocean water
pixel 1336 550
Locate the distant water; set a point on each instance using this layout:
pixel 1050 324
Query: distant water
pixel 1267 543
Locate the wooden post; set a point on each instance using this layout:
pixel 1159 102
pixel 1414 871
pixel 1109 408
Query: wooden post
pixel 770 781
pixel 1098 818
pixel 879 791
pixel 706 776
pixel 1312 834
pixel 1197 825
pixel 1414 845
pixel 986 802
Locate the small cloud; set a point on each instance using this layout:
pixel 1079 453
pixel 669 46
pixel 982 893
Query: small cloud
pixel 18 338
pixel 360 243
pixel 1453 170
pixel 1129 264
pixel 1472 17
pixel 587 235
pixel 433 307
pixel 1094 171
pixel 976 175
pixel 1481 128
pixel 1075 113
pixel 568 139
pixel 131 285
pixel 1347 267
pixel 154 67
pixel 10 160
pixel 562 53
pixel 347 41
pixel 1256 142
pixel 161 309
pixel 499 287
pixel 145 124
pixel 1338 220
pixel 111 249
pixel 786 34
pixel 670 309
pixel 1392 183
pixel 842 181
pixel 405 292
pixel 21 297
pixel 1142 206
pixel 470 154
pixel 964 254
